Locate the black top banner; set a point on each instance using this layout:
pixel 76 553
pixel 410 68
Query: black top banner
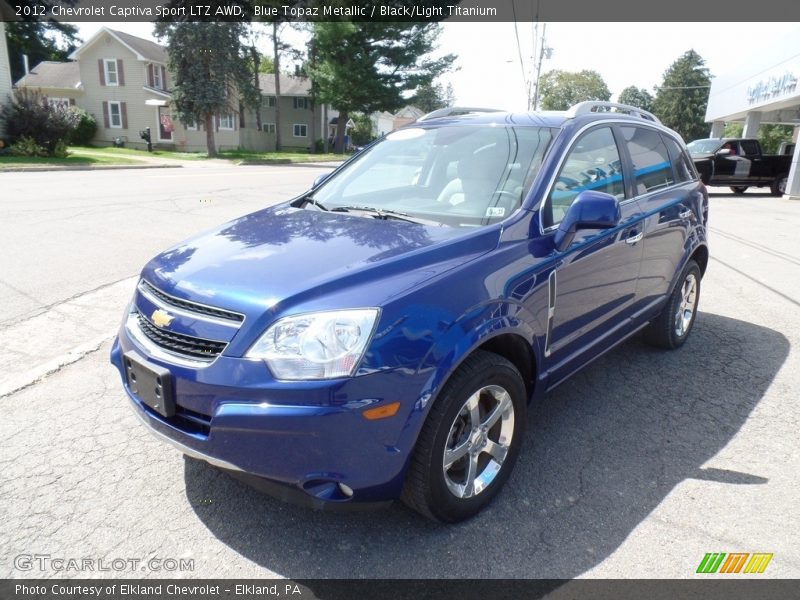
pixel 710 11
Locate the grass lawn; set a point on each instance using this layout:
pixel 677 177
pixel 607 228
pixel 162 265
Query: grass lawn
pixel 76 157
pixel 133 152
pixel 280 157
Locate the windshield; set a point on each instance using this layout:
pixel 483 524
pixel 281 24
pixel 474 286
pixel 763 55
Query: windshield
pixel 459 176
pixel 703 146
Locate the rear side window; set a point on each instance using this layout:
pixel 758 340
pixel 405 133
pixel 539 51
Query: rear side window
pixel 684 171
pixel 592 164
pixel 652 170
pixel 749 147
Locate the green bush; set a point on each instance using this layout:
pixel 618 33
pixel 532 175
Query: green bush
pixel 27 146
pixel 84 131
pixel 28 115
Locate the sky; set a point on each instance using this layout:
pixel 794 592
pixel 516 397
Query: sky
pixel 495 71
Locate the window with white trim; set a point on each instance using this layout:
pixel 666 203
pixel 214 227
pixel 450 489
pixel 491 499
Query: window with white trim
pixel 302 103
pixel 115 115
pixel 300 130
pixel 157 83
pixel 110 67
pixel 191 125
pixel 268 127
pixel 58 102
pixel 226 121
pixel 269 101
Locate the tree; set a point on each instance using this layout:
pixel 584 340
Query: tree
pixel 39 41
pixel 561 89
pixel 638 97
pixel 367 66
pixel 430 97
pixel 681 99
pixel 771 136
pixel 211 71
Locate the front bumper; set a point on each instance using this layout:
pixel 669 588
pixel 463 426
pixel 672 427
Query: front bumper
pixel 301 440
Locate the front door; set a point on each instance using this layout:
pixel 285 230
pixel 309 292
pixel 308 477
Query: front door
pixel 165 127
pixel 593 286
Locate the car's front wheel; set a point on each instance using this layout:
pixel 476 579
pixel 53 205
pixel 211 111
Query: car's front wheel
pixel 470 441
pixel 672 326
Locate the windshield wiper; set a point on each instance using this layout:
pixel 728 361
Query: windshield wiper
pixel 386 214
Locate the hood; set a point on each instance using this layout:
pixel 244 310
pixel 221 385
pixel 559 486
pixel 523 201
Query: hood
pixel 283 256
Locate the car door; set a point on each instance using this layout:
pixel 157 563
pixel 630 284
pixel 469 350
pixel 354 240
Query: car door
pixel 666 189
pixel 593 284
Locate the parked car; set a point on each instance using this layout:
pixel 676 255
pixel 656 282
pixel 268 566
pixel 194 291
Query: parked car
pixel 382 335
pixel 740 164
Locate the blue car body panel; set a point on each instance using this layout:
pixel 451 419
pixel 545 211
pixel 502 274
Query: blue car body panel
pixel 442 293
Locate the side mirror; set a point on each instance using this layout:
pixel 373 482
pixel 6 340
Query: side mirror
pixel 590 210
pixel 723 151
pixel 318 181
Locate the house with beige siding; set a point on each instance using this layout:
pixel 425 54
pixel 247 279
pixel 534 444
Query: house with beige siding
pixel 5 71
pixel 124 82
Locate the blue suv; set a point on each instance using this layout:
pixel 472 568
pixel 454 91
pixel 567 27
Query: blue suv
pixel 382 335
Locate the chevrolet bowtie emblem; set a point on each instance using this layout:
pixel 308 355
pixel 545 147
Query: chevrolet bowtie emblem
pixel 161 318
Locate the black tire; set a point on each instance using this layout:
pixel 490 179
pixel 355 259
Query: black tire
pixel 665 331
pixel 739 189
pixel 430 483
pixel 778 187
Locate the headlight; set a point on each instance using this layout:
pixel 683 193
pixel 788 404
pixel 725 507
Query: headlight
pixel 321 345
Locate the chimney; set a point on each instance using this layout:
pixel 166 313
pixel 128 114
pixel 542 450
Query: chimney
pixel 25 62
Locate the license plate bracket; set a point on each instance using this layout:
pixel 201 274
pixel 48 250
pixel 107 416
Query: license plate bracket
pixel 150 383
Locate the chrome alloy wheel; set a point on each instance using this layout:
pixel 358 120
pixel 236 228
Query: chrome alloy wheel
pixel 686 306
pixel 478 442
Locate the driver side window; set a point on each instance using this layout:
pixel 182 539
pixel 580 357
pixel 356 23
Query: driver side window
pixel 593 163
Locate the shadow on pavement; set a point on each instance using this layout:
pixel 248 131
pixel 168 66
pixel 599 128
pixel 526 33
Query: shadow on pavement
pixel 601 453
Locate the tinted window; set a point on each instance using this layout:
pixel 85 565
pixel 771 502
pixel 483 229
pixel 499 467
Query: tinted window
pixel 684 170
pixel 749 147
pixel 592 164
pixel 651 166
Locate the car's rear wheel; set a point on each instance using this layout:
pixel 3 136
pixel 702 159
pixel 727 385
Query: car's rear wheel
pixel 470 441
pixel 739 189
pixel 673 325
pixel 778 187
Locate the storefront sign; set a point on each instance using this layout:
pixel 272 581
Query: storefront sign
pixel 774 87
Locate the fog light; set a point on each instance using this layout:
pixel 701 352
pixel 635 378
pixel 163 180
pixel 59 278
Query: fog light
pixel 346 490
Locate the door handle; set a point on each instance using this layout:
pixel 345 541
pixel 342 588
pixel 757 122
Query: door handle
pixel 685 214
pixel 634 238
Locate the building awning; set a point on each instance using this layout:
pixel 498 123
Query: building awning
pixel 153 102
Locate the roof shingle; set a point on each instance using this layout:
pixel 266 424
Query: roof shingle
pixel 49 74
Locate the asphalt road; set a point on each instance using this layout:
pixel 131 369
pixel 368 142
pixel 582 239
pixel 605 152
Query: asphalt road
pixel 636 467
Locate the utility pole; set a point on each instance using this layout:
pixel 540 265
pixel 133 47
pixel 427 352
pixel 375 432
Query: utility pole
pixel 543 49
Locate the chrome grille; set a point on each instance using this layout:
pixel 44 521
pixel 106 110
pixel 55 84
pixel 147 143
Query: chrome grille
pixel 178 343
pixel 186 305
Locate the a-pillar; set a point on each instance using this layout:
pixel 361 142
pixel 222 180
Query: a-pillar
pixel 717 129
pixel 751 124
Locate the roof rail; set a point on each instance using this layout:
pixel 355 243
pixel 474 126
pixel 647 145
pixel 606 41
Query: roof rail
pixel 590 106
pixel 452 111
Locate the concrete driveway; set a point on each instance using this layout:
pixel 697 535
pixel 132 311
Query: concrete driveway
pixel 636 467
